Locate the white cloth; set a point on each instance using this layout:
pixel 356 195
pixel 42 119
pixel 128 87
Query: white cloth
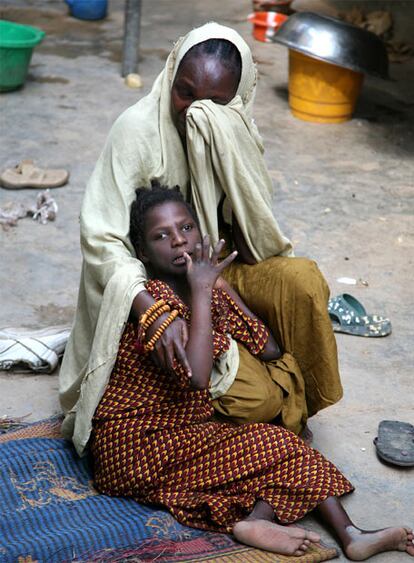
pixel 225 371
pixel 32 350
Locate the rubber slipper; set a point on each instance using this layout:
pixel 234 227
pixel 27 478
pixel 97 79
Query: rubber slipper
pixel 349 316
pixel 395 442
pixel 27 175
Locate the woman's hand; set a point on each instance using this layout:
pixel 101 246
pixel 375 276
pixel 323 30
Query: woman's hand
pixel 173 341
pixel 203 270
pixel 171 345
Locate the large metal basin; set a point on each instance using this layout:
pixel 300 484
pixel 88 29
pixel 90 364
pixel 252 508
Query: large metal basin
pixel 334 41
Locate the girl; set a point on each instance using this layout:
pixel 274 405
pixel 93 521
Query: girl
pixel 154 438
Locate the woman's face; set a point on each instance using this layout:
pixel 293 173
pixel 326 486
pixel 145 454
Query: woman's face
pixel 200 77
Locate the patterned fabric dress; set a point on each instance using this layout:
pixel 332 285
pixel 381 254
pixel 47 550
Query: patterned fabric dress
pixel 154 439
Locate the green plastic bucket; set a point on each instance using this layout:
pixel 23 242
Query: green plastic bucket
pixel 16 46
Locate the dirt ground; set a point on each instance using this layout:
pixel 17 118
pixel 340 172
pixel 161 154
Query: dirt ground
pixel 343 193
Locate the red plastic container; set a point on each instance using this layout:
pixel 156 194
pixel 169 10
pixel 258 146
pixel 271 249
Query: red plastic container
pixel 265 24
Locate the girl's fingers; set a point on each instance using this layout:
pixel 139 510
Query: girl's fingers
pixel 172 346
pixel 184 333
pixel 158 356
pixel 202 254
pixel 188 260
pixel 169 354
pixel 228 260
pixel 197 252
pixel 216 251
pixel 182 357
pixel 206 248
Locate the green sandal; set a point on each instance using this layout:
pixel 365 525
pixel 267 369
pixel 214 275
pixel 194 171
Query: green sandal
pixel 349 316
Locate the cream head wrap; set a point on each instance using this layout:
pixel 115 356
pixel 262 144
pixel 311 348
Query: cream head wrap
pixel 248 79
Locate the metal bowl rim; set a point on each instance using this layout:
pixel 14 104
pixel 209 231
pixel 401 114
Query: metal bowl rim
pixel 294 47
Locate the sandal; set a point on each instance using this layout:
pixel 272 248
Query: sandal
pixel 27 175
pixel 395 442
pixel 349 316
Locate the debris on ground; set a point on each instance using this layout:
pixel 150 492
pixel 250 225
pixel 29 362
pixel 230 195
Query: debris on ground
pixel 43 211
pixel 133 81
pixel 14 423
pixel 46 208
pixel 353 281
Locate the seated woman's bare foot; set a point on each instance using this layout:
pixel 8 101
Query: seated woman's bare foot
pixel 364 544
pixel 270 536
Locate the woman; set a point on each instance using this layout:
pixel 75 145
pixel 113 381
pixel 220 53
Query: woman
pixel 194 129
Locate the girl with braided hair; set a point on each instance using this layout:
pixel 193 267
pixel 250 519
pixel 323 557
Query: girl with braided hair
pixel 154 436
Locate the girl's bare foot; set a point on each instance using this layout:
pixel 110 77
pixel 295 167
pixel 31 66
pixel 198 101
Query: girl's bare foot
pixel 363 544
pixel 270 536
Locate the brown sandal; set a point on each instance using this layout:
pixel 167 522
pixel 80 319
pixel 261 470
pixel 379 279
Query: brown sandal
pixel 27 175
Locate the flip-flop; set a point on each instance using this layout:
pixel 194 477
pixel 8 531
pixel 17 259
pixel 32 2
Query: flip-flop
pixel 27 175
pixel 395 442
pixel 349 316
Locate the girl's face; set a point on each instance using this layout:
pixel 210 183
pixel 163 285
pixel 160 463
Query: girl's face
pixel 200 78
pixel 170 230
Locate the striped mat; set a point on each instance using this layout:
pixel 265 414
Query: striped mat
pixel 50 513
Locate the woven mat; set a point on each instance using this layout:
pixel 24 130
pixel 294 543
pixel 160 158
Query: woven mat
pixel 51 513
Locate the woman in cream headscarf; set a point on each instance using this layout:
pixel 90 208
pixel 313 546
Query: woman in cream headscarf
pixel 195 129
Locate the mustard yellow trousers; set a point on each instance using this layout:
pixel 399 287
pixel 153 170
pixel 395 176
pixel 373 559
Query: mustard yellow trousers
pixel 290 295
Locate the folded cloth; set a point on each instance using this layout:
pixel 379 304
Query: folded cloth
pixel 32 350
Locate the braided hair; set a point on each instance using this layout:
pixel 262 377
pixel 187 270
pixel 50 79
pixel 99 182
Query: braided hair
pixel 146 199
pixel 222 50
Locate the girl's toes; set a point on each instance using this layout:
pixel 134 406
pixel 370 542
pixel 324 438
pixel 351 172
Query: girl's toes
pixel 410 548
pixel 313 537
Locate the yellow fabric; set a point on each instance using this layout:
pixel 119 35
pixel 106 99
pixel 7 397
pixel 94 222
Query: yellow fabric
pixel 291 296
pixel 266 391
pixel 144 144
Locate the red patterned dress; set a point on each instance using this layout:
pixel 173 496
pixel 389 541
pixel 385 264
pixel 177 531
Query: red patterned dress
pixel 154 439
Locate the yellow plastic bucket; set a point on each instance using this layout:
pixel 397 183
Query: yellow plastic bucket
pixel 320 91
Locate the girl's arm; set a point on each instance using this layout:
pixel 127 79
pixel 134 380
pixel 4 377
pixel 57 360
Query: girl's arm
pixel 202 273
pixel 271 351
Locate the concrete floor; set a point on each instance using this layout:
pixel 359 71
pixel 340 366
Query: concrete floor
pixel 343 193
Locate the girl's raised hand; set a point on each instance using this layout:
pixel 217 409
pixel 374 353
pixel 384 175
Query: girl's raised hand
pixel 203 270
